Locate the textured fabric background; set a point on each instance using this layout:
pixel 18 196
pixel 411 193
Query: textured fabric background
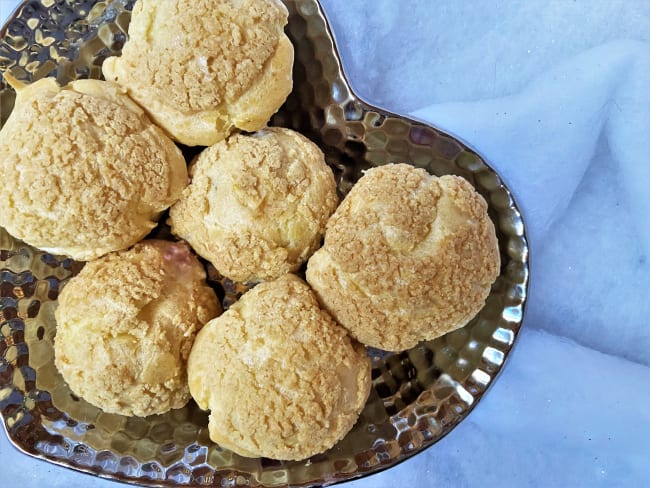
pixel 556 95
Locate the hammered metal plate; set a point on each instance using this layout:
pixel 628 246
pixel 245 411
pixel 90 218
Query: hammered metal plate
pixel 418 396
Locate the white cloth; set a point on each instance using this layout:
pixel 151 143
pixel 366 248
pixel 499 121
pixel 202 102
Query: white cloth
pixel 556 95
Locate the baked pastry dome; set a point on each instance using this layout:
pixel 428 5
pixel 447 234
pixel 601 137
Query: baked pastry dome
pixel 202 68
pixel 407 257
pixel 84 170
pixel 281 378
pixel 126 324
pixel 257 204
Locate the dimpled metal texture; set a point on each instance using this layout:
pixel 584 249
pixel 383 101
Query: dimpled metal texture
pixel 418 396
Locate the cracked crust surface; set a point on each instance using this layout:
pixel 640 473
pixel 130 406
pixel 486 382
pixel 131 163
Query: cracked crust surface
pixel 257 204
pixel 126 324
pixel 407 257
pixel 84 171
pixel 229 68
pixel 281 378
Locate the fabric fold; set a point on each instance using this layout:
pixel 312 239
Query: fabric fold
pixel 544 429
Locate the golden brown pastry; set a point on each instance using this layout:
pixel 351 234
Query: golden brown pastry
pixel 84 171
pixel 202 68
pixel 126 324
pixel 281 378
pixel 257 205
pixel 407 257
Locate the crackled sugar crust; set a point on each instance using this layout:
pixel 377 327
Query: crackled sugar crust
pixel 407 257
pixel 84 171
pixel 257 205
pixel 126 324
pixel 300 384
pixel 226 64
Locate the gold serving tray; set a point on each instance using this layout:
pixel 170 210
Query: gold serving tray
pixel 418 396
